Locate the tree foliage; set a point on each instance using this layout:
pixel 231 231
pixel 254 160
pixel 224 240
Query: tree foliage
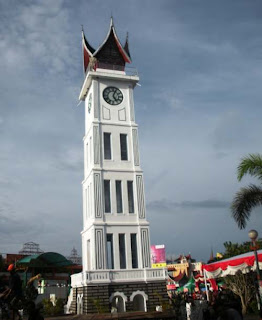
pixel 234 249
pixel 249 197
pixel 252 165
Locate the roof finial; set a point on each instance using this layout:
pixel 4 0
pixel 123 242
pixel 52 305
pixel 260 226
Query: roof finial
pixel 111 20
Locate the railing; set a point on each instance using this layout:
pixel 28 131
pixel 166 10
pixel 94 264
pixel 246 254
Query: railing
pixel 77 278
pixel 108 276
pixel 130 71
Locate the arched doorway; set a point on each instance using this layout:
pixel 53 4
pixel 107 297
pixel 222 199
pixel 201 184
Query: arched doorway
pixel 118 301
pixel 139 299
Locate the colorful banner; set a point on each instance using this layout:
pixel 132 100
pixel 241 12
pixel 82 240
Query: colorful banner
pixel 171 287
pixel 158 256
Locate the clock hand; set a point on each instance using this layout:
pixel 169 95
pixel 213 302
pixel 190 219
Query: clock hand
pixel 115 96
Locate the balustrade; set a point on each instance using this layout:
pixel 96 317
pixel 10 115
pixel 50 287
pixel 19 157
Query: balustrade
pixel 107 276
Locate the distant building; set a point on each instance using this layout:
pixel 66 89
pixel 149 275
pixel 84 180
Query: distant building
pixel 13 258
pixel 30 248
pixel 183 269
pixel 74 257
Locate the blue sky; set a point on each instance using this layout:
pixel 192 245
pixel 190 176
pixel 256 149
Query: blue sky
pixel 198 110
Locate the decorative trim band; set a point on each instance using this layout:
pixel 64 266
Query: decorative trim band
pixel 145 248
pixel 99 245
pixel 96 145
pixel 95 90
pixel 140 196
pixel 98 196
pixel 131 103
pixel 135 147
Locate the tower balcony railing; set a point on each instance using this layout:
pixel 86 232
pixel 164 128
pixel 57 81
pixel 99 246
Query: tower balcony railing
pixel 110 276
pixel 130 71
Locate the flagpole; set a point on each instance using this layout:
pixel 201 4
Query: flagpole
pixel 205 278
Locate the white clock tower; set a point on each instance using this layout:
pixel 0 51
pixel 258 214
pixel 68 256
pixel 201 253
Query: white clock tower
pixel 115 236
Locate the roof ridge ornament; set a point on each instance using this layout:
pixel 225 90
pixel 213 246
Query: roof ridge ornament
pixel 111 21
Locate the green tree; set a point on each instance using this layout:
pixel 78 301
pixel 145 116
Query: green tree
pixel 248 197
pixel 234 249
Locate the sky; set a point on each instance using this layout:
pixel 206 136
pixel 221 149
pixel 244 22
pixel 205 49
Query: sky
pixel 198 109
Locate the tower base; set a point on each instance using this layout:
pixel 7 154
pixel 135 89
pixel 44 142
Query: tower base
pixel 119 297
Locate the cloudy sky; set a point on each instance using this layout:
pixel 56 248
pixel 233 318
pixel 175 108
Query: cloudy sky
pixel 199 110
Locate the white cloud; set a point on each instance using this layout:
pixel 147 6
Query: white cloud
pixel 199 111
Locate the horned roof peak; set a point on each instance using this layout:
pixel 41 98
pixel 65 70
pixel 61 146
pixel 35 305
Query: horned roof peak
pixel 110 54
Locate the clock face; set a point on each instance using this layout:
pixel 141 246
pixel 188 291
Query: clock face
pixel 89 102
pixel 113 95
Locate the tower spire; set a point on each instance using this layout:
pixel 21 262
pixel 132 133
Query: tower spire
pixel 111 20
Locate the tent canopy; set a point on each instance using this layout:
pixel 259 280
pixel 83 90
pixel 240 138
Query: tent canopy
pixel 190 286
pixel 45 260
pixel 244 262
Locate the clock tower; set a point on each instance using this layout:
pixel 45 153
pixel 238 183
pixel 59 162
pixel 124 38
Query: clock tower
pixel 115 235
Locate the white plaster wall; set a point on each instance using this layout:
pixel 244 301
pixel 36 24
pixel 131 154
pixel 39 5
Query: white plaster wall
pixel 116 120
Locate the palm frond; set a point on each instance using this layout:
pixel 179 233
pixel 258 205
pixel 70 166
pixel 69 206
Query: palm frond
pixel 245 200
pixel 252 164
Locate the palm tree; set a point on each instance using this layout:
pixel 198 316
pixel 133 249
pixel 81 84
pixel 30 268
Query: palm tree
pixel 249 197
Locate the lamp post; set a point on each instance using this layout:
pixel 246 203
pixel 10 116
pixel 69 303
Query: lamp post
pixel 253 237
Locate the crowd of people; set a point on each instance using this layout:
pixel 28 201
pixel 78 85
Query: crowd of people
pixel 13 297
pixel 221 305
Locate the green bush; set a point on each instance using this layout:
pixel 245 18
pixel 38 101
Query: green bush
pixel 100 308
pixel 252 307
pixel 53 310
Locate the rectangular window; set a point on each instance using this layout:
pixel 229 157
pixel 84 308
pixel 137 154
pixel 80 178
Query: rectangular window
pixel 130 195
pixel 122 251
pixel 123 146
pixel 119 203
pixel 107 196
pixel 134 250
pixel 107 145
pixel 110 252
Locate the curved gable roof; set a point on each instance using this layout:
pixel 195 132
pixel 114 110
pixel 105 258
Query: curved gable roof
pixel 110 51
pixel 87 46
pixel 122 51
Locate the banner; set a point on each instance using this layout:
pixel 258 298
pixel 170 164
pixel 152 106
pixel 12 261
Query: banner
pixel 158 256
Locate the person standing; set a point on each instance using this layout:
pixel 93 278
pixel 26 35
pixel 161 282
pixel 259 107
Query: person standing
pixel 14 293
